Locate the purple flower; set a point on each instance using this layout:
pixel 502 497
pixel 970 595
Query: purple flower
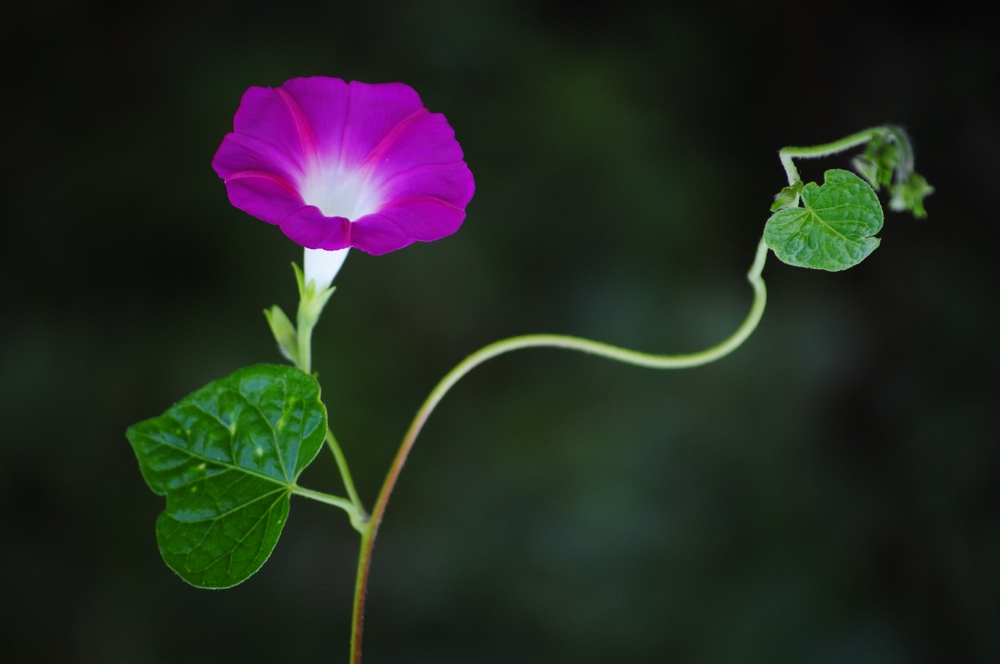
pixel 339 165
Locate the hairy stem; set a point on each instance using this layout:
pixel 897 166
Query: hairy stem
pixel 534 341
pixel 787 154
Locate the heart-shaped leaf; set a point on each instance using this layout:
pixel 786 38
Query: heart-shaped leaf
pixel 227 457
pixel 835 228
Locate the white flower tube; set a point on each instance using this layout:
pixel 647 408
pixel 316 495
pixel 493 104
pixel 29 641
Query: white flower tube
pixel 322 266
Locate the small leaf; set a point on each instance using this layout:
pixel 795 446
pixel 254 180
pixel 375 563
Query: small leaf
pixel 882 157
pixel 910 194
pixel 284 333
pixel 787 196
pixel 834 229
pixel 227 457
pixel 868 170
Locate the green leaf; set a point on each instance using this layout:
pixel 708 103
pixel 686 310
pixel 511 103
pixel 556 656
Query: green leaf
pixel 284 333
pixel 227 458
pixel 834 229
pixel 787 196
pixel 869 170
pixel 882 156
pixel 910 194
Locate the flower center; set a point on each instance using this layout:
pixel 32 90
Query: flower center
pixel 337 193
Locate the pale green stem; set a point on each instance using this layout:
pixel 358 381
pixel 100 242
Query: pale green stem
pixel 534 341
pixel 787 154
pixel 336 501
pixel 359 523
pixel 305 330
pixel 310 306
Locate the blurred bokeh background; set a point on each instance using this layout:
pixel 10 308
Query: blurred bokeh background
pixel 829 493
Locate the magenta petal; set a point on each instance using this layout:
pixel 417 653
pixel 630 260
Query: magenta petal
pixel 242 153
pixel 449 183
pixel 323 104
pixel 264 197
pixel 259 178
pixel 394 227
pixel 309 228
pixel 376 234
pixel 266 115
pixel 374 112
pixel 423 138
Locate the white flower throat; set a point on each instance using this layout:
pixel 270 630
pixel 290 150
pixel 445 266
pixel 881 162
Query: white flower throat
pixel 338 193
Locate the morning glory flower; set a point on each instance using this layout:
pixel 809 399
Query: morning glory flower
pixel 338 165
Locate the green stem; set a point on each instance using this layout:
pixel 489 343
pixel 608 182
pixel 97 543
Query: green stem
pixel 787 154
pixel 336 501
pixel 534 341
pixel 305 330
pixel 360 524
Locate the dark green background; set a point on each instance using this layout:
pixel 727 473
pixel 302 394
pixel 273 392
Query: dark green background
pixel 827 494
